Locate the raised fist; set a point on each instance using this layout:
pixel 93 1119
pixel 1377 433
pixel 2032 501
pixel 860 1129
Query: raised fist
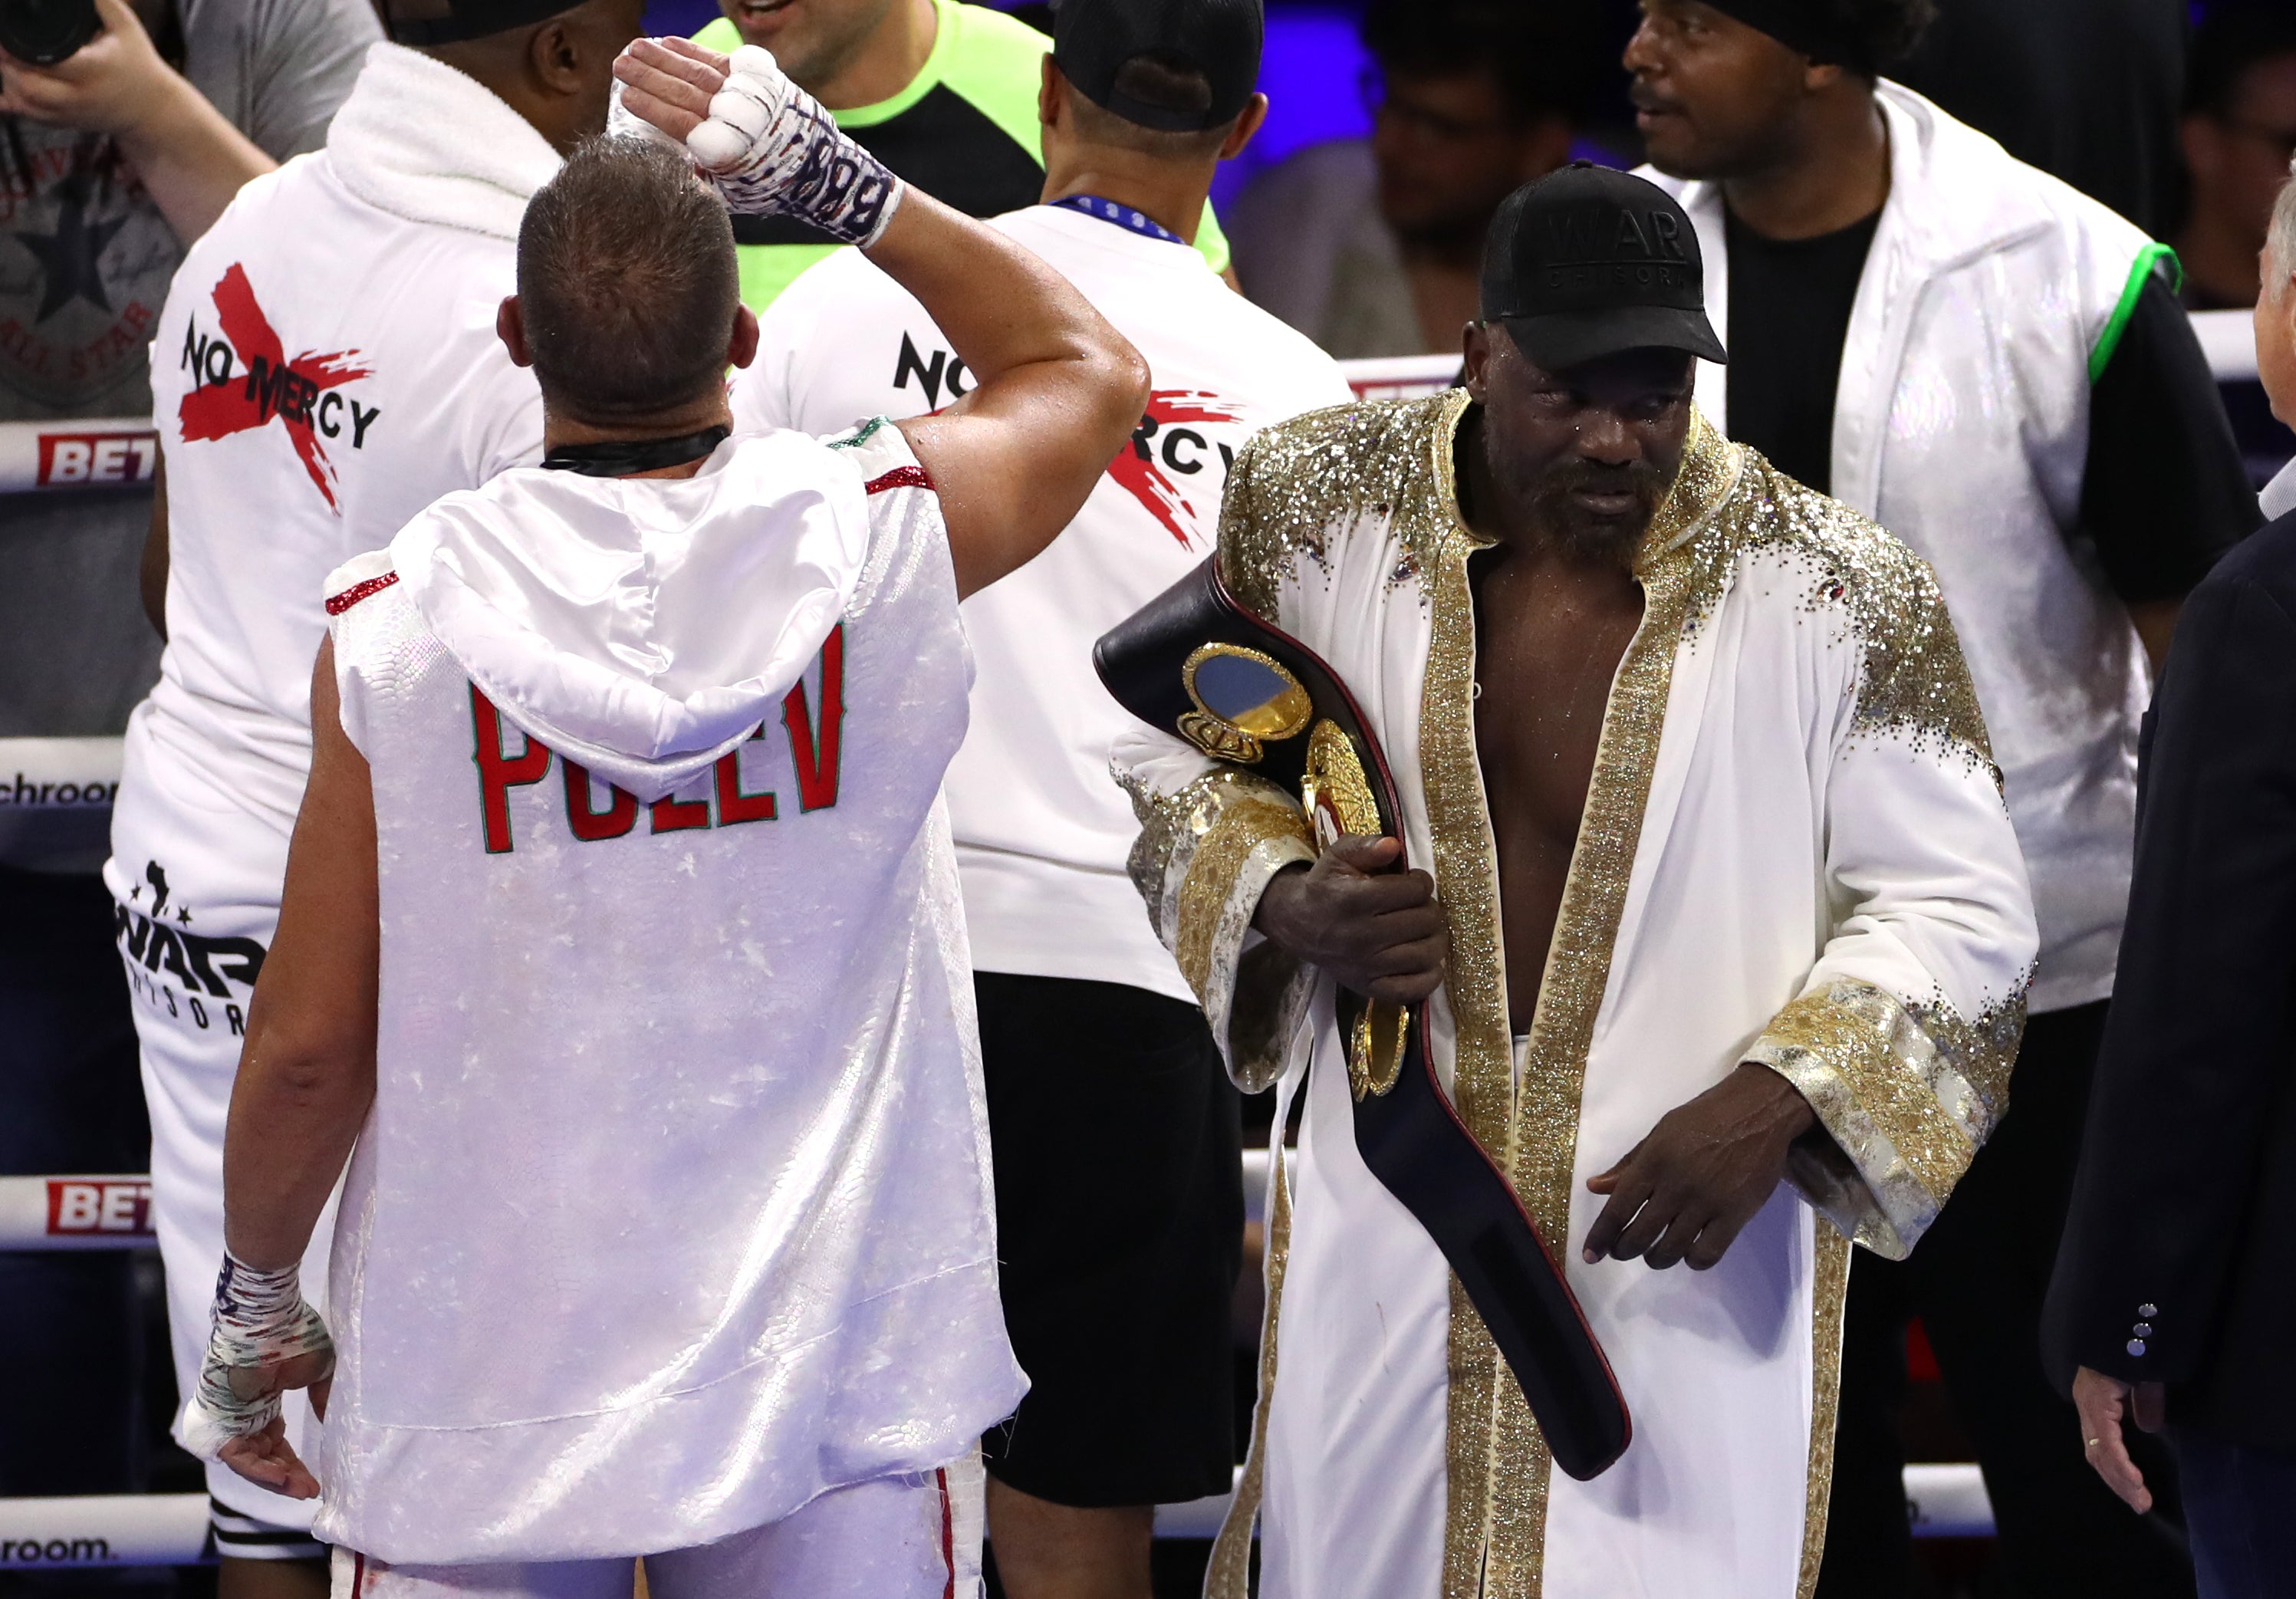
pixel 764 143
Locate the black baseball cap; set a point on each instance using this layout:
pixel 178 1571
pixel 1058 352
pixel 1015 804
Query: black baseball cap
pixel 1093 39
pixel 1588 261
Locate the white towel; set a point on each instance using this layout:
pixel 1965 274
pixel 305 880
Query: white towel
pixel 422 141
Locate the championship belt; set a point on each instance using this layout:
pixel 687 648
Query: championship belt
pixel 1195 661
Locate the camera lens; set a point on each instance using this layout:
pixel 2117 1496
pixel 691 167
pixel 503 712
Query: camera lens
pixel 45 32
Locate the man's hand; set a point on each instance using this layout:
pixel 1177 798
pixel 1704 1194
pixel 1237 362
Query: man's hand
pixel 767 146
pixel 191 159
pixel 1379 932
pixel 2103 1402
pixel 266 1458
pixel 1686 1191
pixel 263 1339
pixel 668 83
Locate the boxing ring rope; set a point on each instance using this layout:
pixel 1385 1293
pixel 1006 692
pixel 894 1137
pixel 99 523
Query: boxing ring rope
pixel 114 1212
pixel 113 453
pixel 171 1530
pixel 75 456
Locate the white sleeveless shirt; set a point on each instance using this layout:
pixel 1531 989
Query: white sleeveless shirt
pixel 673 1210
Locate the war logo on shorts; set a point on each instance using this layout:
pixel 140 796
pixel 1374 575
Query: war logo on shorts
pixel 242 378
pixel 213 977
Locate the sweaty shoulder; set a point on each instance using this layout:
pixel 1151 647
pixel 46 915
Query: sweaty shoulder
pixel 1300 483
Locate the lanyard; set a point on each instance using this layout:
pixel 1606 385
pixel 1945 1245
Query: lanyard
pixel 1123 215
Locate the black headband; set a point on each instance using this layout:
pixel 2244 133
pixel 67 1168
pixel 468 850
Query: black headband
pixel 474 19
pixel 1812 26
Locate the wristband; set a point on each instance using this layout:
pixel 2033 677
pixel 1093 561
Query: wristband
pixel 260 1319
pixel 770 149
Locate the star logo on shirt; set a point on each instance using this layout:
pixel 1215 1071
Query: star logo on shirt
pixel 69 257
pixel 266 386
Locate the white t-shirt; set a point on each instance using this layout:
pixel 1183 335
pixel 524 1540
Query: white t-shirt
pixel 323 369
pixel 672 1210
pixel 1042 831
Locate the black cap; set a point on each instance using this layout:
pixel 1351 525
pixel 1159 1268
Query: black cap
pixel 1093 39
pixel 1589 261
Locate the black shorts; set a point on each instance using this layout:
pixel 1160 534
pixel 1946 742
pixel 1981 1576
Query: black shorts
pixel 1119 1228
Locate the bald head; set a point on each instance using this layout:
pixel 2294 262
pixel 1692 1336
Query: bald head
pixel 627 285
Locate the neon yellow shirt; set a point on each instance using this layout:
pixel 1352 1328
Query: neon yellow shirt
pixel 964 131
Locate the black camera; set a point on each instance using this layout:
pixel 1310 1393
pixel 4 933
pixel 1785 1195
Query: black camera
pixel 45 32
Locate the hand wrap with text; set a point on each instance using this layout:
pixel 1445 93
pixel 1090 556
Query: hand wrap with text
pixel 260 1319
pixel 770 150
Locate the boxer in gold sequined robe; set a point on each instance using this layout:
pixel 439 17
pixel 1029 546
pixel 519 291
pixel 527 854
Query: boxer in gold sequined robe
pixel 1794 853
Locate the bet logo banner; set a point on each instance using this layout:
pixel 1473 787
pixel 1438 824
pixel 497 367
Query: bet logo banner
pixel 84 1207
pixel 106 452
pixel 75 459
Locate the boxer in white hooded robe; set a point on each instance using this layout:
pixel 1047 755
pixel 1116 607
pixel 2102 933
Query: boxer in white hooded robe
pixel 327 366
pixel 668 1230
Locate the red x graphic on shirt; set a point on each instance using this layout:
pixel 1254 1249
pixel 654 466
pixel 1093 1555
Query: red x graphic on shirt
pixel 1162 442
pixel 272 384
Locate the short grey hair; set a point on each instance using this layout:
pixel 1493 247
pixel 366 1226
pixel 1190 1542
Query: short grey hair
pixel 626 282
pixel 2280 241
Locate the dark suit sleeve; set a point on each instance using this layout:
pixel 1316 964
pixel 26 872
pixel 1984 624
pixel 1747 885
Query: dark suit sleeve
pixel 2197 1041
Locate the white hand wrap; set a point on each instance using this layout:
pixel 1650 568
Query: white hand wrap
pixel 260 1319
pixel 770 150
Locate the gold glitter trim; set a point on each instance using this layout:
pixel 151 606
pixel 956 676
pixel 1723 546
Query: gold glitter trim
pixel 1982 1051
pixel 1829 1293
pixel 1913 684
pixel 1892 1085
pixel 1210 883
pixel 1474 987
pixel 1270 998
pixel 1229 1574
pixel 1173 827
pixel 1204 855
pixel 1300 482
pixel 1542 1134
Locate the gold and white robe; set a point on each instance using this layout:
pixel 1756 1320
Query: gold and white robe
pixel 1794 851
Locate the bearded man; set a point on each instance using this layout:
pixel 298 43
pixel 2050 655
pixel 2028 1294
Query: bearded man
pixel 1712 902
